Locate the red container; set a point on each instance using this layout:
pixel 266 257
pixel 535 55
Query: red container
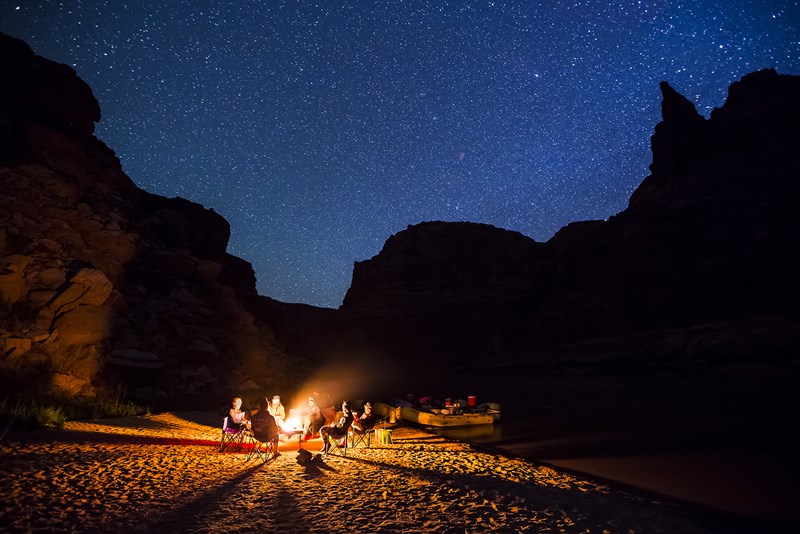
pixel 472 401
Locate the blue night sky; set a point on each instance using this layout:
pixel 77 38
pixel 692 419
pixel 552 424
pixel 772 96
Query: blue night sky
pixel 318 129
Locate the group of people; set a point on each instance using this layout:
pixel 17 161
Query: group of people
pixel 264 423
pixel 361 423
pixel 240 418
pixel 271 416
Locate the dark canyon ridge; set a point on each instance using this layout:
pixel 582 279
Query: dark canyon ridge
pixel 104 285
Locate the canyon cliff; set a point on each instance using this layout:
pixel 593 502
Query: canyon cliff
pixel 105 287
pixel 697 274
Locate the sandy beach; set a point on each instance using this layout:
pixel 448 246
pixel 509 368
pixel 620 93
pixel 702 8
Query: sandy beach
pixel 165 472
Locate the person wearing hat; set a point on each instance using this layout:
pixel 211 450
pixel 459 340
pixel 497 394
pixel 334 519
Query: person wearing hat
pixel 365 421
pixel 314 420
pixel 277 410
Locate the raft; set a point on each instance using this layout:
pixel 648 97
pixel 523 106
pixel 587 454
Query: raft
pixel 485 414
pixel 444 420
pixel 386 411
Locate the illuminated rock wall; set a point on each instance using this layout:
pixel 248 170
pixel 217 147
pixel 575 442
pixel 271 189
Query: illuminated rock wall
pixel 104 285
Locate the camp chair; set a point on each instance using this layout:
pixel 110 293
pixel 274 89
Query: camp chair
pixel 264 441
pixel 361 437
pixel 231 435
pixel 357 437
pixel 338 444
pixel 364 436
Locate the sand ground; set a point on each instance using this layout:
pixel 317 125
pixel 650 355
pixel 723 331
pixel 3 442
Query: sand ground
pixel 165 473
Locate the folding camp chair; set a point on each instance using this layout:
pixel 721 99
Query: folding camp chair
pixel 364 435
pixel 231 436
pixel 264 441
pixel 360 437
pixel 338 444
pixel 339 440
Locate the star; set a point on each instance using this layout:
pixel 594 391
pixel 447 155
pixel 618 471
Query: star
pixel 319 130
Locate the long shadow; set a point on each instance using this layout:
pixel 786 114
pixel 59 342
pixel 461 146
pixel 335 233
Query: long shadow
pixel 710 518
pixel 290 511
pixel 428 448
pixel 326 467
pixel 178 517
pixel 425 439
pixel 313 470
pixel 192 516
pixel 633 442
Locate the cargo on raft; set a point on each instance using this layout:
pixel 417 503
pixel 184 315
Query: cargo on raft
pixel 482 414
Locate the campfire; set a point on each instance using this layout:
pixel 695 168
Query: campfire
pixel 293 424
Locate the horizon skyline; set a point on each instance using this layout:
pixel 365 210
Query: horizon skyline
pixel 320 131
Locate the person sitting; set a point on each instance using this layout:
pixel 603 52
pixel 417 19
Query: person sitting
pixel 277 410
pixel 365 421
pixel 236 417
pixel 336 430
pixel 265 428
pixel 314 420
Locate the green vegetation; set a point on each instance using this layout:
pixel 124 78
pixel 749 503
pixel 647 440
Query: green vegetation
pixel 27 413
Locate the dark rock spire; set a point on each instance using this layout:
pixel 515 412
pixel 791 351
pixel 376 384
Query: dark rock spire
pixel 675 108
pixel 679 137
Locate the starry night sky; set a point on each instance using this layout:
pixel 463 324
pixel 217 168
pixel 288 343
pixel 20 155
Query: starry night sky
pixel 318 129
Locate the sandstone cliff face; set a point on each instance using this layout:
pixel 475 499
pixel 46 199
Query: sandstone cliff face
pixel 699 270
pixel 103 285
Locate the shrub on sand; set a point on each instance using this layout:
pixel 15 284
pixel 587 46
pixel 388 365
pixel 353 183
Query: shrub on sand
pixel 102 408
pixel 28 413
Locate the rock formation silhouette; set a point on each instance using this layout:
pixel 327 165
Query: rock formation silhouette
pixel 104 285
pixel 698 273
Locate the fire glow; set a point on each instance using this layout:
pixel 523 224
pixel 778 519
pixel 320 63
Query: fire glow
pixel 293 424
